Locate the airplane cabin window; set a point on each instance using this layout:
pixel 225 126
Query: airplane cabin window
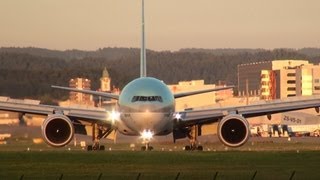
pixel 135 98
pixel 146 98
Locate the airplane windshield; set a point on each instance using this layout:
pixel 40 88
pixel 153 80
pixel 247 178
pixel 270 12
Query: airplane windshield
pixel 146 98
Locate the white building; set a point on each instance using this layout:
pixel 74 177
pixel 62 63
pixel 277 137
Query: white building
pixel 279 79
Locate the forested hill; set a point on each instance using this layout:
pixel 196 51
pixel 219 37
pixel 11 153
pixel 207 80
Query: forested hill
pixel 109 53
pixel 29 72
pixel 116 53
pixel 310 52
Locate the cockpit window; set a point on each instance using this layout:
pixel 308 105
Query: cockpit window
pixel 146 98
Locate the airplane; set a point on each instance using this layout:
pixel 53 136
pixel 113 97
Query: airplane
pixel 146 108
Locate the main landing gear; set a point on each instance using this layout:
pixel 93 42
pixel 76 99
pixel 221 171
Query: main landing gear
pixel 98 132
pixel 193 136
pixel 96 147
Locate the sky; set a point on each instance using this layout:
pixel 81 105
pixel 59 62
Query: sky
pixel 170 24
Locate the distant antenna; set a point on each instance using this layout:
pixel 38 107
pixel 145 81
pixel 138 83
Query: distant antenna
pixel 143 63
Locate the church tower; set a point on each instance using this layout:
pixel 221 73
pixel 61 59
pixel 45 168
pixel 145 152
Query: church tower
pixel 105 81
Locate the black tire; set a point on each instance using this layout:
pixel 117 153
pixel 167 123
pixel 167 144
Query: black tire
pixel 143 148
pixel 102 148
pixel 187 148
pixel 200 148
pixel 150 148
pixel 89 148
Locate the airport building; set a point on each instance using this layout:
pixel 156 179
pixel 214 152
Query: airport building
pixel 9 118
pixel 84 100
pixel 80 98
pixel 308 80
pixel 199 100
pixel 279 79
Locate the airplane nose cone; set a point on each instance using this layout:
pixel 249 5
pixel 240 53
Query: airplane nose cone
pixel 147 120
pixel 157 122
pixel 147 108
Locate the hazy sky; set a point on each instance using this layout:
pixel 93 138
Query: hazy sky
pixel 170 24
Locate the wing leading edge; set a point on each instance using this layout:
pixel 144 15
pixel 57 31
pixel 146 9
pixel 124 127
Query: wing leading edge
pixel 90 115
pixel 184 94
pixel 96 93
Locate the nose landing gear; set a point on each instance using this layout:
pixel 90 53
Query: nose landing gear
pixel 147 147
pixel 146 135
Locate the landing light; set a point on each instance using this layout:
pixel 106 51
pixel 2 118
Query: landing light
pixel 178 116
pixel 146 134
pixel 113 116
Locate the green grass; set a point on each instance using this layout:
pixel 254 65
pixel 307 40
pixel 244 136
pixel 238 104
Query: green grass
pixel 272 159
pixel 159 165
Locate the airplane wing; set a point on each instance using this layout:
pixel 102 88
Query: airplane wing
pixel 90 115
pixel 184 94
pixel 62 123
pixel 96 93
pixel 198 117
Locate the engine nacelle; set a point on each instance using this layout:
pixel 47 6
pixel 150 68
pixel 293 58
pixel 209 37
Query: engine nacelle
pixel 233 130
pixel 57 130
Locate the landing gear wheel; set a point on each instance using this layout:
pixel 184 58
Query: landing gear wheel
pixel 144 148
pixel 187 148
pixel 89 148
pixel 200 148
pixel 102 148
pixel 95 148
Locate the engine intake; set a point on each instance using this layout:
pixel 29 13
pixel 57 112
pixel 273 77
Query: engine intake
pixel 57 130
pixel 233 130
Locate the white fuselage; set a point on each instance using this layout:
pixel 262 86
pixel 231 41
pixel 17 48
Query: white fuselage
pixel 146 104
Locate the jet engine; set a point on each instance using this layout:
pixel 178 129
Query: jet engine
pixel 57 130
pixel 233 130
